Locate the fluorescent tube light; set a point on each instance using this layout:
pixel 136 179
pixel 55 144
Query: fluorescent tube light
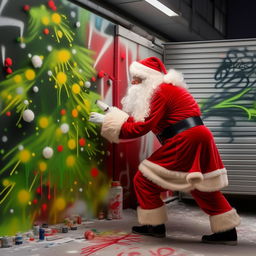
pixel 161 7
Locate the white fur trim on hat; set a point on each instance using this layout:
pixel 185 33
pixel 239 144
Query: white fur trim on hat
pixel 139 70
pixel 225 221
pixel 175 77
pixel 112 124
pixel 155 216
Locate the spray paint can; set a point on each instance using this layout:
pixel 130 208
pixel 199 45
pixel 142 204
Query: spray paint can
pixel 79 220
pixel 36 228
pixel 6 242
pixel 116 200
pixel 18 239
pixel 41 233
pixel 64 230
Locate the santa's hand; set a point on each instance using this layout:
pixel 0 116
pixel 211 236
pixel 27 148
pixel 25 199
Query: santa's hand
pixel 103 106
pixel 96 118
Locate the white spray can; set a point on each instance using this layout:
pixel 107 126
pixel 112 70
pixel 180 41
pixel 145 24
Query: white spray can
pixel 115 207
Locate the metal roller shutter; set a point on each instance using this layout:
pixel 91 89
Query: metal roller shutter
pixel 222 77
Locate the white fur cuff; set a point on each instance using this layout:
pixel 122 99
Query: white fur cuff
pixel 225 221
pixel 155 216
pixel 112 124
pixel 194 178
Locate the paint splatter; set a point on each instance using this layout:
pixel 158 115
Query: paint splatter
pixel 104 242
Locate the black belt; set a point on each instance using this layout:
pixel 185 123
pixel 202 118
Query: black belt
pixel 179 127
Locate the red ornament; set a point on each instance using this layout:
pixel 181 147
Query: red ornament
pixel 44 207
pixel 63 112
pixel 82 142
pixel 93 79
pixel 52 5
pixel 8 113
pixel 89 235
pixel 60 148
pixel 39 190
pixel 46 31
pixel 26 8
pixel 49 197
pixel 94 172
pixel 8 70
pixel 101 74
pixel 35 201
pixel 8 62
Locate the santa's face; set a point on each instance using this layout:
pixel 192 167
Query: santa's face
pixel 137 100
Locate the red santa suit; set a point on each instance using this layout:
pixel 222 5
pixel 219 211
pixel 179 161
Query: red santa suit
pixel 188 161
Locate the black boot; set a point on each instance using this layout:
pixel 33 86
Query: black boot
pixel 148 230
pixel 228 237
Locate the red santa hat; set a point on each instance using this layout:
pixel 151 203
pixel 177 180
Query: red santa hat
pixel 153 67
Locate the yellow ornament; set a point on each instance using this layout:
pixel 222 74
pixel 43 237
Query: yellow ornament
pixel 24 155
pixel 71 144
pixel 23 196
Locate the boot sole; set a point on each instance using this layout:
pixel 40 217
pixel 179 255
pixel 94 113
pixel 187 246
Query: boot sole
pixel 150 234
pixel 233 243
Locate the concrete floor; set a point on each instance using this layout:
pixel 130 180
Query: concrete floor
pixel 185 227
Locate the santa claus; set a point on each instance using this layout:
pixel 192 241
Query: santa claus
pixel 188 159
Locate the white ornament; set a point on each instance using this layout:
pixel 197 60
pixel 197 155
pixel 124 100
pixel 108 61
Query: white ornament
pixel 78 24
pixel 87 84
pixel 80 190
pixel 64 128
pixel 20 147
pixel 22 45
pixel 36 61
pixel 11 211
pixel 47 152
pixel 29 55
pixel 74 51
pixel 19 90
pixel 26 102
pixel 4 139
pixel 73 14
pixel 49 72
pixel 28 115
pixel 35 89
pixel 49 48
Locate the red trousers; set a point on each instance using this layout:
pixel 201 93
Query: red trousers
pixel 148 196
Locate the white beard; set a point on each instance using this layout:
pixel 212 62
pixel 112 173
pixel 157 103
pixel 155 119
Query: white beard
pixel 137 100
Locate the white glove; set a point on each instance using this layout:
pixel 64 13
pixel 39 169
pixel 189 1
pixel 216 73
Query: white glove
pixel 102 105
pixel 96 118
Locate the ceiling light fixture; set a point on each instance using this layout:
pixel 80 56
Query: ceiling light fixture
pixel 161 7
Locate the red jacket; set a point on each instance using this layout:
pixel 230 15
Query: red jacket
pixel 186 161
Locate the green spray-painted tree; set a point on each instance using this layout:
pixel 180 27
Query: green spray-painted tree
pixel 53 166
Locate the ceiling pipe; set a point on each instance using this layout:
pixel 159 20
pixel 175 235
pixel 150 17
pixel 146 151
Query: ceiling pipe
pixel 110 14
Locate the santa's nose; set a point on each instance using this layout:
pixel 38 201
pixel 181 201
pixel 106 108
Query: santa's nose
pixel 136 80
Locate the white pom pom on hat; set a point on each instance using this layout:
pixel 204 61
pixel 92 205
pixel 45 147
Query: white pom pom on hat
pixel 175 77
pixel 153 66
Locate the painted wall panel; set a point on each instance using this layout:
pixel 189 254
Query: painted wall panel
pixel 129 153
pixel 53 162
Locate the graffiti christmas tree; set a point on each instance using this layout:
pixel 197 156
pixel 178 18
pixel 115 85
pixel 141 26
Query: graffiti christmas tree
pixel 50 153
